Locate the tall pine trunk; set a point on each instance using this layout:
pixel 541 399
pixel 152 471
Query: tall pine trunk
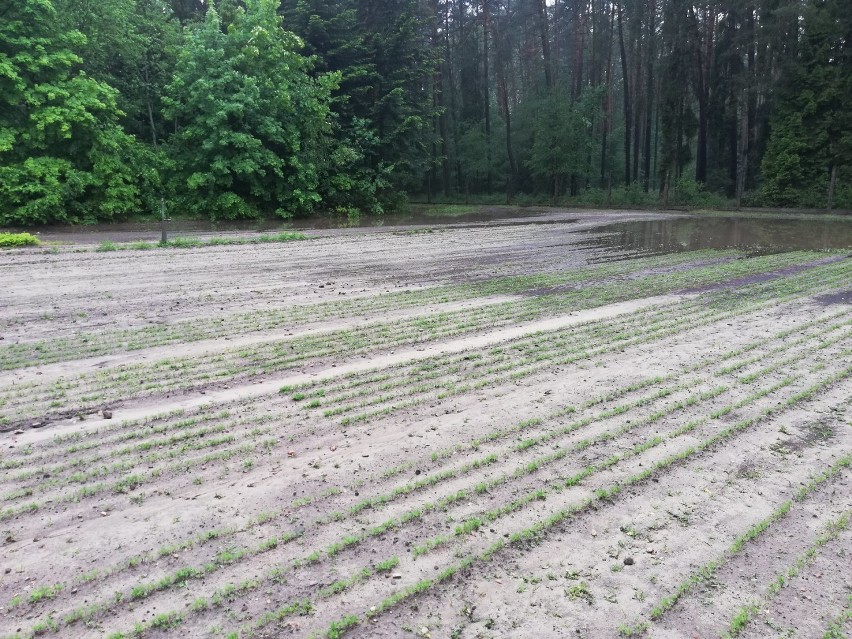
pixel 485 85
pixel 832 183
pixel 545 43
pixel 649 93
pixel 607 107
pixel 628 113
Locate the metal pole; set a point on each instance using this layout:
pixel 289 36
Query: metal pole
pixel 164 238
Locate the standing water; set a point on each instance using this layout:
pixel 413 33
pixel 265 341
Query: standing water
pixel 755 234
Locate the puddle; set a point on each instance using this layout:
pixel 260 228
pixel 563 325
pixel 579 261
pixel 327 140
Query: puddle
pixel 691 234
pixel 129 231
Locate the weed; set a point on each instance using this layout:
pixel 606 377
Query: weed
pixel 387 565
pixel 580 591
pixel 166 621
pixel 44 593
pixel 337 628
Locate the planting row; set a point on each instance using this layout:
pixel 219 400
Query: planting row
pixel 29 353
pixel 19 402
pixel 504 486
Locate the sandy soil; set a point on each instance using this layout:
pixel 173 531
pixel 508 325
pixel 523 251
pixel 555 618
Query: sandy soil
pixel 557 474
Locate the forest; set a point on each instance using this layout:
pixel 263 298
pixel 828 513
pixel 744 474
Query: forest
pixel 121 109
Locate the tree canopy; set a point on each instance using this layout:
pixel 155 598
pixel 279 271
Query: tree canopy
pixel 250 108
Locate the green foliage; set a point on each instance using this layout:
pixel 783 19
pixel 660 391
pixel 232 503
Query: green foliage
pixel 194 242
pixel 338 628
pixel 387 565
pixel 689 192
pixel 17 240
pixel 811 131
pixel 252 124
pixel 382 124
pixel 63 155
pixel 129 102
pixel 562 139
pixel 130 45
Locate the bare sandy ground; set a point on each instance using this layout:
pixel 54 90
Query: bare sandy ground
pixel 553 476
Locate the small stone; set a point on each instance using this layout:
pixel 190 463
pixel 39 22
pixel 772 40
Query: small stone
pixel 104 513
pixel 107 414
pixel 628 561
pixel 397 576
pixel 19 432
pixel 594 533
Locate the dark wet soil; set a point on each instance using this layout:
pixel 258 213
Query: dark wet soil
pixel 841 297
pixel 762 277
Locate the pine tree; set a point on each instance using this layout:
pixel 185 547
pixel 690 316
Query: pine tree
pixel 811 135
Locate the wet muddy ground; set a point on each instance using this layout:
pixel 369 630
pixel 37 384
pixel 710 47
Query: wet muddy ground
pixel 561 424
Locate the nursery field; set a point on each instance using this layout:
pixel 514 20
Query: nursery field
pixel 516 428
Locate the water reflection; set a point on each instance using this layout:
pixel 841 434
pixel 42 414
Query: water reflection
pixel 689 234
pixel 415 217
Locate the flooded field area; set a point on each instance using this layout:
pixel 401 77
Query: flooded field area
pixel 694 233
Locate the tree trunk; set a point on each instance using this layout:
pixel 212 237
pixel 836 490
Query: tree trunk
pixel 579 46
pixel 742 148
pixel 832 183
pixel 607 105
pixel 626 90
pixel 440 49
pixel 485 21
pixel 545 43
pixel 636 98
pixel 151 122
pixel 455 185
pixel 649 93
pixel 702 90
pixel 149 103
pixel 503 96
pixel 701 149
pixel 679 154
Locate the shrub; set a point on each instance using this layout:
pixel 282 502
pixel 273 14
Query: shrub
pixel 17 240
pixel 688 192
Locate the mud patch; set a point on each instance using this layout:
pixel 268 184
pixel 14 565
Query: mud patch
pixel 841 297
pixel 763 277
